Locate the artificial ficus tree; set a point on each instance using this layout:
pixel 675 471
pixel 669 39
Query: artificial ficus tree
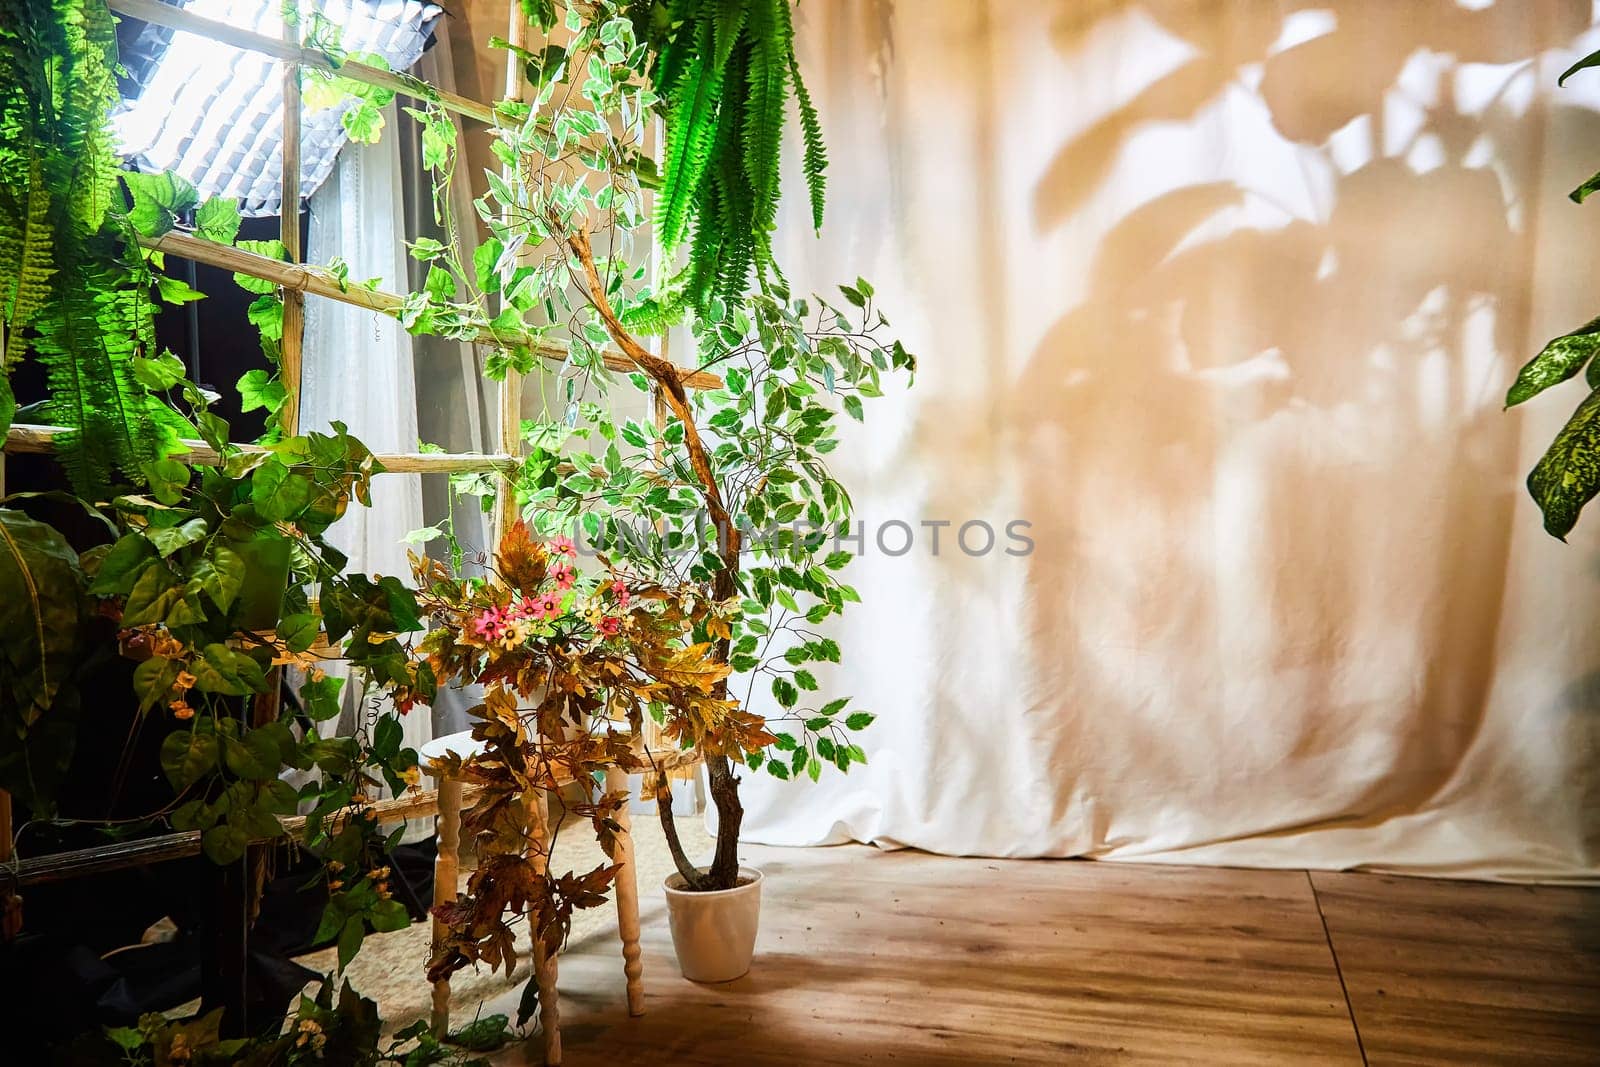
pixel 569 228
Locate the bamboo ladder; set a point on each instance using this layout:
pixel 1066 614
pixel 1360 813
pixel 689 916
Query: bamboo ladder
pixel 297 280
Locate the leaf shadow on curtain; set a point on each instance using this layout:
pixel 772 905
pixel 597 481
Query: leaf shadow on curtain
pixel 1295 428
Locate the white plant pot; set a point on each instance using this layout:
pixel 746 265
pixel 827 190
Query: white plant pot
pixel 714 933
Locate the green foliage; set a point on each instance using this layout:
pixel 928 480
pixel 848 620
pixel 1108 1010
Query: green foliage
pixel 322 1029
pixel 1567 477
pixel 75 288
pixel 724 70
pixel 43 610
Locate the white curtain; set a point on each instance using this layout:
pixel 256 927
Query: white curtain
pixel 1223 298
pixel 358 368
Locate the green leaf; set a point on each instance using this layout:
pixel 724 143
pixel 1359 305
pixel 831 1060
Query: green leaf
pixel 153 594
pixel 121 565
pixel 1590 60
pixel 484 259
pixel 299 630
pixel 224 843
pixel 834 707
pixel 187 756
pixel 1568 475
pixel 152 679
pixel 852 407
pixel 169 539
pixel 1560 359
pixel 278 493
pixel 174 291
pixel 266 314
pixel 257 389
pixel 350 938
pixel 158 200
pixel 254 757
pixel 321 697
pixel 217 220
pixel 1581 193
pixel 220 669
pixel 390 915
pixel 220 575
pixel 860 720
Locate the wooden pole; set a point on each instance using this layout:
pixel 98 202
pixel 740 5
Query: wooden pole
pixel 316 282
pixel 294 300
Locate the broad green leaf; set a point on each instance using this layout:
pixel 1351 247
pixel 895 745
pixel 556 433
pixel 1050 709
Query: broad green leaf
pixel 859 720
pixel 1560 359
pixel 187 756
pixel 220 669
pixel 1568 475
pixel 169 539
pixel 41 605
pixel 224 843
pixel 277 492
pixel 158 200
pixel 257 389
pixel 174 291
pixel 217 220
pixel 152 679
pixel 121 566
pixel 390 915
pixel 152 596
pixel 220 575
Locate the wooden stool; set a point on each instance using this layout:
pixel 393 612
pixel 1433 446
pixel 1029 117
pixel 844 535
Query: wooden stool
pixel 445 869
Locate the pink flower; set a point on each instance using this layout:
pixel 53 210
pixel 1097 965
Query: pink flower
pixel 610 626
pixel 490 624
pixel 528 609
pixel 550 604
pixel 562 546
pixel 564 575
pixel 620 591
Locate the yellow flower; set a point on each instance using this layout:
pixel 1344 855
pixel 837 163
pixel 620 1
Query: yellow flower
pixel 185 680
pixel 182 710
pixel 411 776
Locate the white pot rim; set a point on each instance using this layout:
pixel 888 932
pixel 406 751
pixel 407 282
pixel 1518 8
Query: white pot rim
pixel 754 874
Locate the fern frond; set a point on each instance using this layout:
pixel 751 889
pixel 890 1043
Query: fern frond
pixel 767 77
pixel 691 130
pixel 815 160
pixel 727 24
pixel 655 315
pixel 30 243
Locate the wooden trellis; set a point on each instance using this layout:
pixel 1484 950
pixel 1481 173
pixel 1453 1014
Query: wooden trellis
pixel 297 281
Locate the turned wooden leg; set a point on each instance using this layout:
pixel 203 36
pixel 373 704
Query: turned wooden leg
pixel 627 889
pixel 544 963
pixel 448 828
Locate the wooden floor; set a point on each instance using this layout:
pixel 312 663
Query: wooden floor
pixel 881 957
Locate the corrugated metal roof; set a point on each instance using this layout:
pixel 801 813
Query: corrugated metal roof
pixel 214 113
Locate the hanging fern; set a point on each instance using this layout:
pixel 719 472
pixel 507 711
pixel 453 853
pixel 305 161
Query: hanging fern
pixel 74 287
pixel 724 70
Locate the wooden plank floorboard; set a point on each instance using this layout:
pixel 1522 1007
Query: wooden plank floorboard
pixel 901 957
pixel 1467 972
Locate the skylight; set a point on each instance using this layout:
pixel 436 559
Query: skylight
pixel 214 113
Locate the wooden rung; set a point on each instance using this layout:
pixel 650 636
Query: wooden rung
pixel 316 282
pixel 101 859
pixel 33 438
pixel 177 18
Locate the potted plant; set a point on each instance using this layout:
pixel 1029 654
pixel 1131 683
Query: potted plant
pixel 729 490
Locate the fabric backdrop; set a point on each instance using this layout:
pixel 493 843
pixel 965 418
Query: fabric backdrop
pixel 1223 299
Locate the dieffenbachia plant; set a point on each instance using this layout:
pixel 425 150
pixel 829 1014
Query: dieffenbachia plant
pixel 1568 475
